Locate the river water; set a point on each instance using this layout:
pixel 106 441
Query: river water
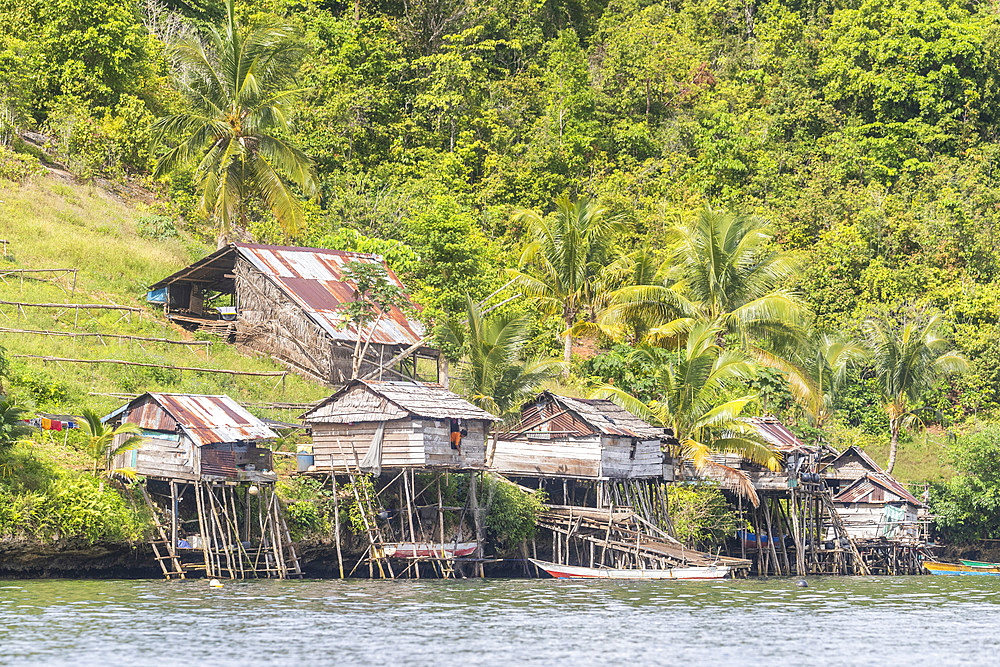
pixel 835 621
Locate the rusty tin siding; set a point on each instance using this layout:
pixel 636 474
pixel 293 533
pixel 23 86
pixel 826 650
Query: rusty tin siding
pixel 313 278
pixel 205 419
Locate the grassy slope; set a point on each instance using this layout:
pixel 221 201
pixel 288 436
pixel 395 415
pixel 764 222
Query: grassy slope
pixel 53 223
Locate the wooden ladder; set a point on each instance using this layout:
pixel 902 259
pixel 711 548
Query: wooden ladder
pixel 841 531
pixel 291 547
pixel 175 569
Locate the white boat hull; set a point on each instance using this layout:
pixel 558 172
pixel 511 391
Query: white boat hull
pixel 429 550
pixel 577 572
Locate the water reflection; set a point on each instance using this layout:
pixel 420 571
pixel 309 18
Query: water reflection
pixel 836 621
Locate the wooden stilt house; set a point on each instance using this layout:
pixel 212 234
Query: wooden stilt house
pixel 558 436
pixel 289 304
pixel 209 474
pixel 193 437
pixel 370 425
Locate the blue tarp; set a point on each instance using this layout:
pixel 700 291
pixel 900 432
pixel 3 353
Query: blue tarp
pixel 157 295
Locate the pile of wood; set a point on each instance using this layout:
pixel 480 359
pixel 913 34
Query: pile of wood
pixel 618 537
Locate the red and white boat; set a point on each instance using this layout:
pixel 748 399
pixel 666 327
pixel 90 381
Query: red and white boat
pixel 577 572
pixel 429 549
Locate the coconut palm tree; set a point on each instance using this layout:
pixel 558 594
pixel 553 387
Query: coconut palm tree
pixel 701 387
pixel 237 86
pixel 12 425
pixel 908 351
pixel 818 371
pixel 721 268
pixel 103 445
pixel 560 265
pixel 492 373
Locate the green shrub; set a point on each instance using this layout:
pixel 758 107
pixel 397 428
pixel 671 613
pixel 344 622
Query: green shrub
pixel 511 513
pixel 967 507
pixel 156 227
pixel 17 167
pixel 305 519
pixel 39 501
pixel 701 515
pixel 39 384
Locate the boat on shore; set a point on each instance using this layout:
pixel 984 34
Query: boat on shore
pixel 961 569
pixel 578 572
pixel 429 549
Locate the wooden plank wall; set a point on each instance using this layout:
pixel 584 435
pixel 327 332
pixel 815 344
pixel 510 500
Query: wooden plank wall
pixel 171 460
pixel 567 458
pixel 437 444
pixel 617 461
pixel 402 444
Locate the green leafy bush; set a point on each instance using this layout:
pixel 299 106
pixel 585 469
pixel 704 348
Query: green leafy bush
pixel 967 507
pixel 701 516
pixel 42 502
pixel 156 227
pixel 17 167
pixel 305 518
pixel 511 513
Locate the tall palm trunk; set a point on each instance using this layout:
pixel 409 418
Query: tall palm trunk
pixel 894 425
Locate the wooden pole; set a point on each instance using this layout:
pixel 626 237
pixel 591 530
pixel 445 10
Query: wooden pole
pixel 336 518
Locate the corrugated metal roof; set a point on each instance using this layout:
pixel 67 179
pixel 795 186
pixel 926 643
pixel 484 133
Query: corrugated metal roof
pixel 312 278
pixel 600 415
pixel 777 434
pixel 860 453
pixel 421 399
pixel 205 419
pixel 871 489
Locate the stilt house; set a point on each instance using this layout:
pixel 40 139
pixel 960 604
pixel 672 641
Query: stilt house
pixel 876 505
pixel 847 467
pixel 579 438
pixel 189 437
pixel 289 304
pixel 870 501
pixel 370 425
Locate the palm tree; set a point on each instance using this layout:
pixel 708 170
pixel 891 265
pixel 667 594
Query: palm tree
pixel 819 371
pixel 721 268
pixel 560 266
pixel 103 445
pixel 492 373
pixel 701 401
pixel 908 351
pixel 237 86
pixel 12 425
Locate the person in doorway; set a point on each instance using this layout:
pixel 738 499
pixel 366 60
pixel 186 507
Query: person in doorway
pixel 457 433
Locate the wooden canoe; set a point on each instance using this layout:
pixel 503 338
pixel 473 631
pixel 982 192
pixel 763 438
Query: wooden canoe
pixel 961 570
pixel 429 549
pixel 577 572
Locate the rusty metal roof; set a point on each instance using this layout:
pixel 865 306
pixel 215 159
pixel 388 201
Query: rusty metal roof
pixel 777 434
pixel 312 278
pixel 353 403
pixel 872 488
pixel 860 453
pixel 584 416
pixel 205 419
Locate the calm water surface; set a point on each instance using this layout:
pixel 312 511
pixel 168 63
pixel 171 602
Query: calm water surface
pixel 836 621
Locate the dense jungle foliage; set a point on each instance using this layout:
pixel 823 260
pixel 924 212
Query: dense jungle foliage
pixel 862 133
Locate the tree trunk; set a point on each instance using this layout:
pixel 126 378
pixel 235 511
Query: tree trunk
pixel 893 444
pixel 567 352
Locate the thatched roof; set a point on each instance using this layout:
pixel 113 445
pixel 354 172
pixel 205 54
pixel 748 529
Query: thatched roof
pixel 372 401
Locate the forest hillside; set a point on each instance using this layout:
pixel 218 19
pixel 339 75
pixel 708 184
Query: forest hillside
pixel 799 195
